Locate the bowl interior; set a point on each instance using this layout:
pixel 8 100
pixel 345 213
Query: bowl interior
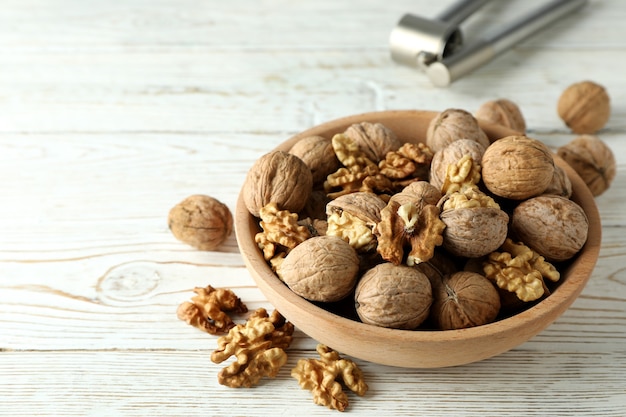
pixel 418 348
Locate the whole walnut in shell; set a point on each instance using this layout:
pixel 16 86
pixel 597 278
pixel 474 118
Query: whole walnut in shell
pixel 277 177
pixel 201 221
pixel 322 268
pixel 553 226
pixel 452 154
pixel 473 232
pixel 374 139
pixel 593 160
pixel 560 184
pixel 393 296
pixel 502 112
pixel 464 299
pixel 585 107
pixel 317 152
pixel 517 167
pixel 451 125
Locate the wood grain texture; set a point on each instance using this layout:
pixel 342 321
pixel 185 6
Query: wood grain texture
pixel 113 111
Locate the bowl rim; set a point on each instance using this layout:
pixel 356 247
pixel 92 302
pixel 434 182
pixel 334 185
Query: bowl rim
pixel 532 320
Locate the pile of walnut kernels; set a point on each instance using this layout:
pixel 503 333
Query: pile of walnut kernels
pixel 443 235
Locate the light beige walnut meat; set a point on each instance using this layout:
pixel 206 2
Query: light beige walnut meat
pixel 553 226
pixel 393 296
pixel 585 107
pixel 258 346
pixel 208 309
pixel 323 268
pixel 411 161
pixel 464 299
pixel 517 167
pixel 451 125
pixel 318 154
pixel 353 216
pixel 201 221
pixel 451 155
pixel 277 177
pixel 281 232
pixel 593 160
pixel 502 112
pixel 375 140
pixel 518 269
pixel 323 378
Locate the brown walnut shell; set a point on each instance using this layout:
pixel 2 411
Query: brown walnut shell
pixel 451 125
pixel 517 167
pixel 317 152
pixel 474 232
pixel 322 268
pixel 451 154
pixel 553 226
pixel 364 205
pixel 374 139
pixel 277 177
pixel 394 296
pixel 585 107
pixel 502 112
pixel 464 299
pixel 593 160
pixel 419 193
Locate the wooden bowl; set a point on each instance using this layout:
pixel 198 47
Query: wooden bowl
pixel 418 348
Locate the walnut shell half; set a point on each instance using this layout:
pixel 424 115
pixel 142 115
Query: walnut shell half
pixel 464 299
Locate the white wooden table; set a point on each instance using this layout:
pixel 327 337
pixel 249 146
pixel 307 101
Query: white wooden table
pixel 113 111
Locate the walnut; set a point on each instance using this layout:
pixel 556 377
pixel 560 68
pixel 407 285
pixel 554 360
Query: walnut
pixel 451 154
pixel 593 160
pixel 410 161
pixel 315 207
pixel 207 309
pixel 352 218
pixel 418 192
pixel 277 177
pixel 323 268
pixel 584 107
pixel 560 184
pixel 502 112
pixel 320 377
pixel 359 172
pixel 451 125
pixel 553 226
pixel 517 268
pixel 464 299
pixel 259 346
pixel 201 221
pixel 517 167
pixel 393 296
pixel 414 224
pixel 281 231
pixel 373 139
pixel 318 154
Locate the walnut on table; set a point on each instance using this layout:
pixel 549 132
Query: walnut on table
pixel 201 221
pixel 320 376
pixel 585 107
pixel 258 346
pixel 207 309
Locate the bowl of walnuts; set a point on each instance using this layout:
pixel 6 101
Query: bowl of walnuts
pixel 417 238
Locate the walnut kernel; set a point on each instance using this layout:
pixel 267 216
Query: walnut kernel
pixel 585 107
pixel 201 221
